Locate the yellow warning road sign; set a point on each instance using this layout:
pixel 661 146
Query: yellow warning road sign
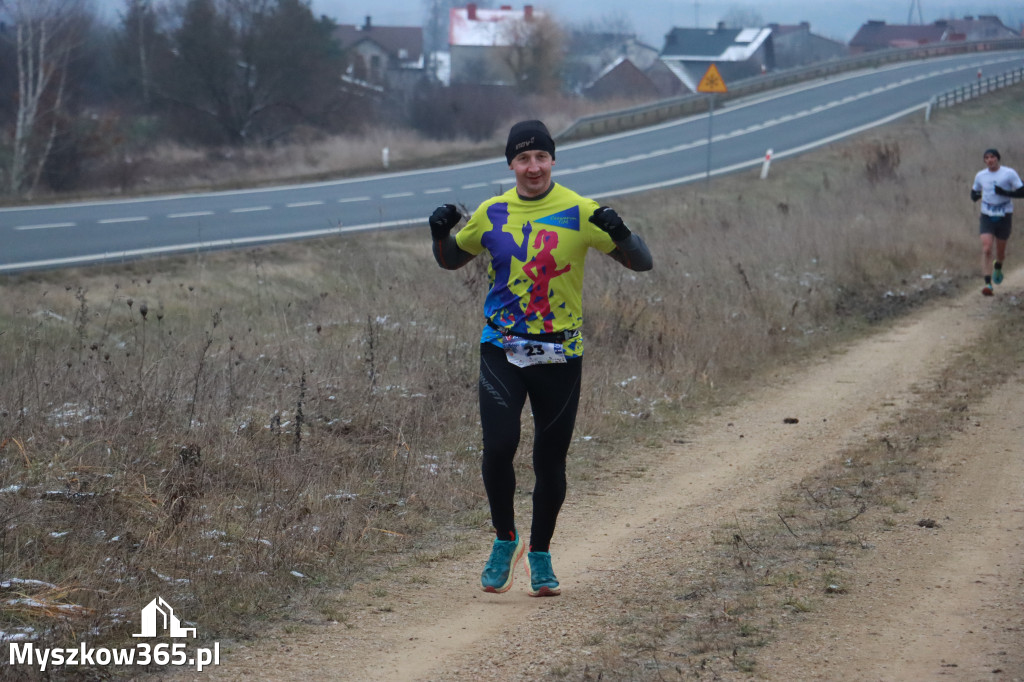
pixel 712 81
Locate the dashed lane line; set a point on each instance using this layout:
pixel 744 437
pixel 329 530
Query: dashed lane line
pixel 47 226
pixel 202 245
pixel 131 219
pixel 191 214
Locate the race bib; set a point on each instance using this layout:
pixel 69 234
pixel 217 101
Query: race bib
pixel 526 353
pixel 994 210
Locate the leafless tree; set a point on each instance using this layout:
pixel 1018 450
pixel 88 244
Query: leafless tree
pixel 742 17
pixel 616 23
pixel 138 41
pixel 535 54
pixel 46 34
pixel 251 67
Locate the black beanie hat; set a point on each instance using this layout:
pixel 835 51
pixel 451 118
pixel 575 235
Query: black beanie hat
pixel 527 135
pixel 993 152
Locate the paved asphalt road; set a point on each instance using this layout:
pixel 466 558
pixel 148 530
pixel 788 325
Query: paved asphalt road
pixel 788 121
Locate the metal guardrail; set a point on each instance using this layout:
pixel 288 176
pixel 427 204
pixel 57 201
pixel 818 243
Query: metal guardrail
pixel 982 86
pixel 677 107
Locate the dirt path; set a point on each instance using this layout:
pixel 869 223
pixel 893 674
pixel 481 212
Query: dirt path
pixel 942 603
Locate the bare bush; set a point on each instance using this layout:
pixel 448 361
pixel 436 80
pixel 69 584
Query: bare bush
pixel 881 161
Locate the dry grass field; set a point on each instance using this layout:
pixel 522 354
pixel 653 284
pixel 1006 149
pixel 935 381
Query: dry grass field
pixel 241 432
pixel 165 166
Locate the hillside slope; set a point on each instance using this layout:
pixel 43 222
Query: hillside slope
pixel 916 602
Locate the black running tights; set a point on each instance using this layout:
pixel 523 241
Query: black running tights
pixel 554 392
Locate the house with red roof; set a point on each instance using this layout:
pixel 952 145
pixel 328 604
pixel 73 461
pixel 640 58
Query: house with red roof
pixel 481 42
pixel 622 79
pixel 878 35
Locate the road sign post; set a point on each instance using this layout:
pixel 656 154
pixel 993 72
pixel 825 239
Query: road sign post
pixel 711 84
pixel 711 133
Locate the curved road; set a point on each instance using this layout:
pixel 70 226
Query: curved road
pixel 787 121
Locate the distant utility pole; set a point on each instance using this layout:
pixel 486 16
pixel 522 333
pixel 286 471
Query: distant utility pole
pixel 910 15
pixel 141 10
pixel 433 38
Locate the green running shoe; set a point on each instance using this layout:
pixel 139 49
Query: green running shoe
pixel 497 575
pixel 997 276
pixel 543 582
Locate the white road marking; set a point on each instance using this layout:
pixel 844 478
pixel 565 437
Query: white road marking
pixel 725 136
pixel 133 219
pixel 439 190
pixel 755 162
pixel 195 246
pixel 303 204
pixel 193 214
pixel 351 199
pixel 396 195
pixel 250 209
pixel 48 226
pixel 475 185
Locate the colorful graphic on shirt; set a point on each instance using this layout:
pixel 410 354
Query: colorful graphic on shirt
pixel 535 272
pixel 569 219
pixel 503 248
pixel 541 270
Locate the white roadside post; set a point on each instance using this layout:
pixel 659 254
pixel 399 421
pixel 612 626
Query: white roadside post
pixel 766 164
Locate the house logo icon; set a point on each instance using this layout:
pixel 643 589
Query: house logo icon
pixel 159 616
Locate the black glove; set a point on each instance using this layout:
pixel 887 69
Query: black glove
pixel 975 194
pixel 1015 193
pixel 609 221
pixel 443 219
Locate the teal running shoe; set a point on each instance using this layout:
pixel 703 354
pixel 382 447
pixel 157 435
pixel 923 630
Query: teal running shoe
pixel 997 276
pixel 497 575
pixel 543 582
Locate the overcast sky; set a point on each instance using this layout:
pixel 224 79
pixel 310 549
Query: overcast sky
pixel 652 19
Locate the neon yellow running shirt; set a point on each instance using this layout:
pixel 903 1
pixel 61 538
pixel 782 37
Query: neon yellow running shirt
pixel 537 248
